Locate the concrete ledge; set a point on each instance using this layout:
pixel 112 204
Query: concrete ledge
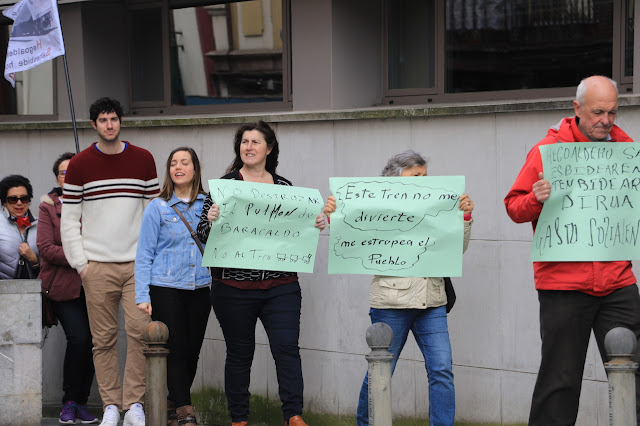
pixel 374 113
pixel 19 286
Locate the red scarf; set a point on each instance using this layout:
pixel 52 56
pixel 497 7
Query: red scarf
pixel 23 221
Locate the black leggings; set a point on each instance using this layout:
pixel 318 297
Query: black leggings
pixel 185 313
pixel 78 359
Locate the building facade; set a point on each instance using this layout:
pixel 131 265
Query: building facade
pixel 473 85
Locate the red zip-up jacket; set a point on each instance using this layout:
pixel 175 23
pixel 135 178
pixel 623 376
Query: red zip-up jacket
pixel 595 278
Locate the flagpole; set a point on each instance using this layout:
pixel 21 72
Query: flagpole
pixel 73 114
pixel 66 75
pixel 39 20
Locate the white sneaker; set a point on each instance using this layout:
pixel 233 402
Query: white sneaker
pixel 135 416
pixel 111 416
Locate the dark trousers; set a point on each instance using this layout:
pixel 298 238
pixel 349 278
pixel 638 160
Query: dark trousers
pixel 566 321
pixel 77 375
pixel 278 309
pixel 185 313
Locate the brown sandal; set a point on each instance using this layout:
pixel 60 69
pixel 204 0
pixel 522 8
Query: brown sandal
pixel 172 416
pixel 186 415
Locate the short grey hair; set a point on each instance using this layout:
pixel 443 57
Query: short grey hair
pixel 581 91
pixel 405 160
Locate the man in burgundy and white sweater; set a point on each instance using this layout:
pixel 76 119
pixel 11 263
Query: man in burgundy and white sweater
pixel 107 187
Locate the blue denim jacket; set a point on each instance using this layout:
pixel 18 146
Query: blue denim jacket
pixel 167 255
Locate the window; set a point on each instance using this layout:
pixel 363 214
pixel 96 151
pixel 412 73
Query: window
pixel 202 57
pixel 484 49
pixel 628 40
pixel 412 45
pixel 33 94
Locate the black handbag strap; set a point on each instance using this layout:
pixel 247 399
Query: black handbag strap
pixel 24 263
pixel 193 234
pixel 450 292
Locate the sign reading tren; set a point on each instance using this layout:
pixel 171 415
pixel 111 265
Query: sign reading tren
pixel 400 226
pixel 592 213
pixel 263 226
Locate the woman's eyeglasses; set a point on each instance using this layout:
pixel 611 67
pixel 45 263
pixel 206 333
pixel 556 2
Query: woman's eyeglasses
pixel 12 199
pixel 62 172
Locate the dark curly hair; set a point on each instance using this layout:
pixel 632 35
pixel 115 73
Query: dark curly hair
pixel 63 157
pixel 269 137
pixel 13 181
pixel 105 105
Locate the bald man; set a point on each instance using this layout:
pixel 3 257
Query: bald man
pixel 575 297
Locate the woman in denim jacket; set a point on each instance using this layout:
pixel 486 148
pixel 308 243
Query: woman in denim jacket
pixel 417 304
pixel 169 277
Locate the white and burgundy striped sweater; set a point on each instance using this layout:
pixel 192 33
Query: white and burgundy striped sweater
pixel 104 197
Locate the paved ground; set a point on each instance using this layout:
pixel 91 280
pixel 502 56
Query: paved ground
pixel 52 422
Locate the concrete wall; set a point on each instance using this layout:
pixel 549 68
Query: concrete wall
pixel 494 326
pixel 20 355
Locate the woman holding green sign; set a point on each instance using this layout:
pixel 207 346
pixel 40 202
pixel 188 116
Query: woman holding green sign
pixel 240 296
pixel 418 304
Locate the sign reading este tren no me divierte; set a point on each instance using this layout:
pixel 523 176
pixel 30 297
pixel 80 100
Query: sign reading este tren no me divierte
pixel 397 226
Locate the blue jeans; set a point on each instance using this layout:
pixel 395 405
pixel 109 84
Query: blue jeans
pixel 238 311
pixel 429 327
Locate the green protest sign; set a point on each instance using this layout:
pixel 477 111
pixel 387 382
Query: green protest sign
pixel 591 213
pixel 263 226
pixel 398 226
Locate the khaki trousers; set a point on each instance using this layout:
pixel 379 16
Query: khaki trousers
pixel 106 285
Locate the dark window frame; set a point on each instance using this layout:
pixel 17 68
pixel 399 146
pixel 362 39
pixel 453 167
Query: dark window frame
pixel 621 14
pixel 164 107
pixel 437 94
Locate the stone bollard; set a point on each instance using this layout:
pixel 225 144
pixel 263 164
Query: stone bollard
pixel 156 336
pixel 620 344
pixel 379 338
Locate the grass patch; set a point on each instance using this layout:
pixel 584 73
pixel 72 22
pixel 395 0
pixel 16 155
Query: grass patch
pixel 211 405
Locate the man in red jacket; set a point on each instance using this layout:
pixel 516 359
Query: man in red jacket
pixel 575 297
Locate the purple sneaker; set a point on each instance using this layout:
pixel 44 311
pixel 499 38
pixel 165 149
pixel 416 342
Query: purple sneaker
pixel 68 413
pixel 85 416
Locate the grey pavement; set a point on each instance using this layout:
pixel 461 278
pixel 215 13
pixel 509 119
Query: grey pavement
pixel 54 421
